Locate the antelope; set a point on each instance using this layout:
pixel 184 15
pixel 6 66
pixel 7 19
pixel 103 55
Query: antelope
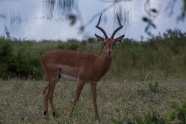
pixel 81 67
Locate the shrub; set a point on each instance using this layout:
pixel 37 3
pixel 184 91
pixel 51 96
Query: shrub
pixel 6 57
pixel 162 55
pixel 20 62
pixel 70 45
pixel 25 65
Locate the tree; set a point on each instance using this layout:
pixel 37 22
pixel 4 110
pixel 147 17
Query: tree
pixel 70 9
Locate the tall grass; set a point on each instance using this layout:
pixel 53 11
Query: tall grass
pixel 163 55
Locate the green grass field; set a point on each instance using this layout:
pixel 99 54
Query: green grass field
pixel 144 77
pixel 22 100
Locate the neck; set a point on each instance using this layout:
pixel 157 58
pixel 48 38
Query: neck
pixel 102 64
pixel 105 58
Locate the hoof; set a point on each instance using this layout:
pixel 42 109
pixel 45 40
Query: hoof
pixel 54 115
pixel 45 113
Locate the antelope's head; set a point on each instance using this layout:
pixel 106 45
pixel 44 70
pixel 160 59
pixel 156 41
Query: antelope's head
pixel 109 42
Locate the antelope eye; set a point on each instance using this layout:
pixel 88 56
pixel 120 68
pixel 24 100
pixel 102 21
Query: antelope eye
pixel 104 44
pixel 113 44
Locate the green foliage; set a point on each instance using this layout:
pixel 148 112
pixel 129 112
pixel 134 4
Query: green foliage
pixel 178 116
pixel 153 86
pixel 70 45
pixel 121 120
pixel 18 62
pixel 6 57
pixel 160 56
pixel 141 92
pixel 150 118
pixel 25 65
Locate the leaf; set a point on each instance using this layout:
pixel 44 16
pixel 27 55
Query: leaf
pixel 181 117
pixel 138 119
pixel 81 28
pixel 175 106
pixel 72 18
pixel 120 120
pixel 153 10
pixel 114 121
pixel 145 19
pixel 170 116
pixel 147 119
pixel 184 104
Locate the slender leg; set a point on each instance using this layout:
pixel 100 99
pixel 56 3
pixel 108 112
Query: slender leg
pixel 78 92
pixel 53 78
pixel 94 95
pixel 52 85
pixel 45 94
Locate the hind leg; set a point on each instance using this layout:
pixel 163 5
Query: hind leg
pixel 53 78
pixel 50 96
pixel 45 95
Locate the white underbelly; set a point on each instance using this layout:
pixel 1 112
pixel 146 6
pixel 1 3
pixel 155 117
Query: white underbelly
pixel 67 77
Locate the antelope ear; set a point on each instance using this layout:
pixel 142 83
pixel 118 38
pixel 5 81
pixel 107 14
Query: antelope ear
pixel 119 39
pixel 99 38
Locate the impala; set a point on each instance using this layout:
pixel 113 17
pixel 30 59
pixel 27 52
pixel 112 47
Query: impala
pixel 83 67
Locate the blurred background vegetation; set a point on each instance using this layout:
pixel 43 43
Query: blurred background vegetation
pixel 160 56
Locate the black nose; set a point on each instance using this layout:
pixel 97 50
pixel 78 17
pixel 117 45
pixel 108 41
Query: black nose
pixel 109 53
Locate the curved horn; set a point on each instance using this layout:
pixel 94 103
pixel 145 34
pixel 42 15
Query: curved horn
pixel 97 26
pixel 120 26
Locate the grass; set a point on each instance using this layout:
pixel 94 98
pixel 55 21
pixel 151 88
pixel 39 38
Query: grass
pixel 22 100
pixel 144 77
pixel 163 55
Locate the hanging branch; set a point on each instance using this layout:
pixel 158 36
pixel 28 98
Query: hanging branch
pixel 152 14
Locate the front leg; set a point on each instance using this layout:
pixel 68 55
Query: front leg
pixel 94 96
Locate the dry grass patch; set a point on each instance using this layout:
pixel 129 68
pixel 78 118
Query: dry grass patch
pixel 22 100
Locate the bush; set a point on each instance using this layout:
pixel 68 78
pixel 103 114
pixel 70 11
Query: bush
pixel 162 55
pixel 70 45
pixel 26 65
pixel 18 63
pixel 6 57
